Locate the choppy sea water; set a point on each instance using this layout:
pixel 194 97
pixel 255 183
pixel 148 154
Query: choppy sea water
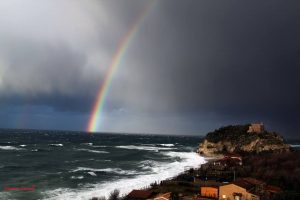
pixel 74 165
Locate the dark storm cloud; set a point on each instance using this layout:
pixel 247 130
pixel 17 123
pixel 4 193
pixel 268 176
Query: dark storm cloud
pixel 242 53
pixel 58 59
pixel 247 58
pixel 46 74
pixel 234 59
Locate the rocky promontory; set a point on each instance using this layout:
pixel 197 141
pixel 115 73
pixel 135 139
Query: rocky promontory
pixel 242 139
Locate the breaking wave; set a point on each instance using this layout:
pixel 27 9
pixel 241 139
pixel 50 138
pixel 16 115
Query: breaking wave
pixel 167 145
pixel 56 145
pixel 108 170
pixel 160 171
pixel 146 148
pixel 10 148
pixel 92 151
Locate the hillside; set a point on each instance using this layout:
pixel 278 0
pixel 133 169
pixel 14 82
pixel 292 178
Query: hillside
pixel 238 139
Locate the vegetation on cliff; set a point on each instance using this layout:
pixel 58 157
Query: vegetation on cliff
pixel 238 135
pixel 236 138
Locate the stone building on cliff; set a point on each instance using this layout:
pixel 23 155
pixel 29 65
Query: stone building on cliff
pixel 256 128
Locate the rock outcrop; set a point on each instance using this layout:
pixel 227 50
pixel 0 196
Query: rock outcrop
pixel 237 139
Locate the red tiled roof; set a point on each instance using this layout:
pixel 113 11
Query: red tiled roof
pixel 243 184
pixel 272 188
pixel 139 194
pixel 253 181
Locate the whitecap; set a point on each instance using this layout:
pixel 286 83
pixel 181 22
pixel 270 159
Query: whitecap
pixel 90 144
pixel 148 164
pixel 9 148
pixel 23 145
pixel 161 171
pixel 57 145
pixel 110 170
pixel 146 148
pixel 77 177
pixel 167 145
pixel 92 151
pixel 92 173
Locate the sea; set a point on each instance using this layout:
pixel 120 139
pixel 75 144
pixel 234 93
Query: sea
pixel 66 165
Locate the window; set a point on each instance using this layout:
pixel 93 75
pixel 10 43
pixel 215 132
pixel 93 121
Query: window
pixel 237 198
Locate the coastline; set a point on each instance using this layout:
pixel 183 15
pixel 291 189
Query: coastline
pixel 187 185
pixel 159 184
pixel 161 173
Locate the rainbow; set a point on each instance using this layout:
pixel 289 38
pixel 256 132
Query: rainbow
pixel 119 54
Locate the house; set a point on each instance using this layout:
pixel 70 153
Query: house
pixel 237 190
pixel 273 189
pixel 209 192
pixel 166 196
pixel 258 184
pixel 139 195
pixel 228 161
pixel 233 156
pixel 256 128
pixel 272 192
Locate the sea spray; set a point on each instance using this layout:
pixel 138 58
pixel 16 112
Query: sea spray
pixel 159 172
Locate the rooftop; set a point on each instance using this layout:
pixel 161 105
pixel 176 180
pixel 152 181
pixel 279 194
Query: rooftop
pixel 139 194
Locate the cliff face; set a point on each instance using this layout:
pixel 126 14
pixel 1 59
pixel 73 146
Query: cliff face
pixel 236 139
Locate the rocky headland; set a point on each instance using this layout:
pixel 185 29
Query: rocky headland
pixel 238 153
pixel 242 139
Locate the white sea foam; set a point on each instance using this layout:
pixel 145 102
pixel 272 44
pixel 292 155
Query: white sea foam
pixel 92 151
pixel 100 146
pixel 161 171
pixel 92 173
pixel 149 164
pixel 23 145
pixel 77 177
pixel 146 148
pixel 9 148
pixel 110 170
pixel 295 145
pixel 167 145
pixel 90 144
pixel 57 145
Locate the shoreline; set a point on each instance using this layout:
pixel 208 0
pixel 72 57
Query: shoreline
pixel 149 187
pixel 188 183
pixel 159 172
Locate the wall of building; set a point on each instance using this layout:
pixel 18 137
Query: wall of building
pixel 256 128
pixel 209 192
pixel 226 193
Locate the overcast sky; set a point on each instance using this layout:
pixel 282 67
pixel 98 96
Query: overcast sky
pixel 192 67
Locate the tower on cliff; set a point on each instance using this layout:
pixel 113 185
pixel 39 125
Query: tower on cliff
pixel 256 128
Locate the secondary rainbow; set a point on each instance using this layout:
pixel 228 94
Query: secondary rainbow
pixel 116 60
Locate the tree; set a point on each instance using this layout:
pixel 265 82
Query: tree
pixel 114 195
